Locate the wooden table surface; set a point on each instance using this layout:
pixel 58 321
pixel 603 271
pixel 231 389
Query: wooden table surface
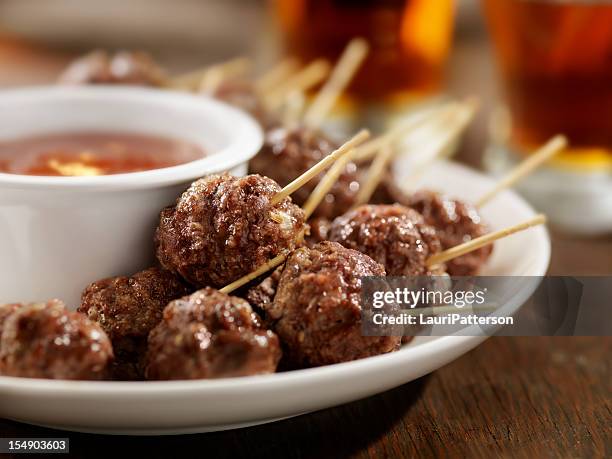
pixel 510 397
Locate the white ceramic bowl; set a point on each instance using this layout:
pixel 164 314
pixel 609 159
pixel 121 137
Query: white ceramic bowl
pixel 172 407
pixel 58 234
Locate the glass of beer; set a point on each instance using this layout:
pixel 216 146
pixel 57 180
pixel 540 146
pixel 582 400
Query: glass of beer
pixel 409 42
pixel 555 61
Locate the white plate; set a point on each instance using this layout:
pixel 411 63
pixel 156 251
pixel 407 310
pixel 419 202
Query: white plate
pixel 173 407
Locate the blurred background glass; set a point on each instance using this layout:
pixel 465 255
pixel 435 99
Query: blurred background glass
pixel 555 60
pixel 409 41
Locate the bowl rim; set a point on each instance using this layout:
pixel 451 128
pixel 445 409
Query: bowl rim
pixel 242 147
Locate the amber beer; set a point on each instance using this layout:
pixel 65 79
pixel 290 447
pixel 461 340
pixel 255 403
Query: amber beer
pixel 556 64
pixel 409 41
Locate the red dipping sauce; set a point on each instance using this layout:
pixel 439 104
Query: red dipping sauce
pixel 94 153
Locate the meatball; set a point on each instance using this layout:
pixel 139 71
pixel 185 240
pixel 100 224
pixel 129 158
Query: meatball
pixel 456 222
pixel 128 308
pixel 286 154
pixel 224 227
pixel 45 340
pixel 318 305
pixel 393 235
pixel 123 67
pixel 210 335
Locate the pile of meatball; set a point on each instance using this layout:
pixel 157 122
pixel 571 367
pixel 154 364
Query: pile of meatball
pixel 170 321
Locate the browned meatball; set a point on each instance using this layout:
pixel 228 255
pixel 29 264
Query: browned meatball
pixel 286 154
pixel 123 67
pixel 317 308
pixel 45 340
pixel 210 335
pixel 456 222
pixel 128 308
pixel 393 235
pixel 224 227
